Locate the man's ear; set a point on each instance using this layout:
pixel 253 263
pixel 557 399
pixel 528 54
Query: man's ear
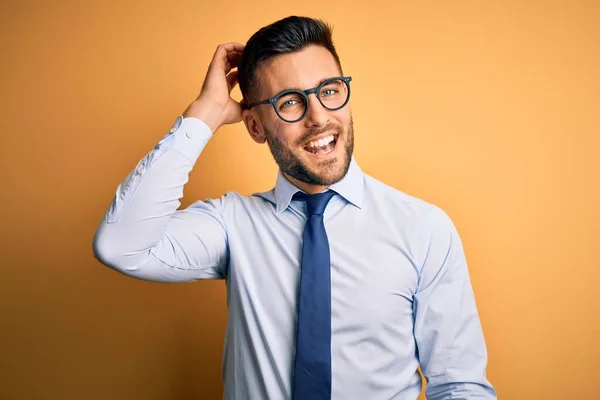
pixel 254 127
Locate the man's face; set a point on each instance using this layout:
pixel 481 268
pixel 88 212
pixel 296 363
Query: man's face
pixel 294 145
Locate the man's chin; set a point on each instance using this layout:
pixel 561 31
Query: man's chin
pixel 326 172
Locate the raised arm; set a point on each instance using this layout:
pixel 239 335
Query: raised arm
pixel 143 234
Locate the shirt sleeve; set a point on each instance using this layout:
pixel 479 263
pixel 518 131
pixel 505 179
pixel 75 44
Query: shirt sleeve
pixel 448 332
pixel 144 235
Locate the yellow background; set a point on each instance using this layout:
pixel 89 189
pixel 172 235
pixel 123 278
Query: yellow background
pixel 488 109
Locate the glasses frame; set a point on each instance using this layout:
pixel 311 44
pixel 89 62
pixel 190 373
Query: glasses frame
pixel 305 93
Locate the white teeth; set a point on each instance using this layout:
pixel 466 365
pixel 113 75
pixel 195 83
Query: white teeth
pixel 321 142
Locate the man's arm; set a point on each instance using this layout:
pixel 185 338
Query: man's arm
pixel 448 332
pixel 143 234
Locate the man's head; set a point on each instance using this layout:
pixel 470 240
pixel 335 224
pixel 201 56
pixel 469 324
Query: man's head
pixel 298 53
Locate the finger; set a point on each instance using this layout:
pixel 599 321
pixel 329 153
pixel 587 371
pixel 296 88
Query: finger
pixel 233 46
pixel 233 58
pixel 220 58
pixel 232 79
pixel 233 61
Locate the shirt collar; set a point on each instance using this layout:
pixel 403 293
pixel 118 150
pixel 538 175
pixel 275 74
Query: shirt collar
pixel 351 188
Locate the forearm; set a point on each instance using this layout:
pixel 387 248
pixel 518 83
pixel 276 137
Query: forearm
pixel 145 201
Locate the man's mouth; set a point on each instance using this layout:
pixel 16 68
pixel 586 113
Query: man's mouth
pixel 322 146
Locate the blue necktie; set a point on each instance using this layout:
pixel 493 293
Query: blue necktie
pixel 312 369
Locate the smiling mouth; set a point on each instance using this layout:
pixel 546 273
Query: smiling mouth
pixel 322 146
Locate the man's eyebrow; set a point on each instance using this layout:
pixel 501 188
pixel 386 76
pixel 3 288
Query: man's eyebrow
pixel 297 88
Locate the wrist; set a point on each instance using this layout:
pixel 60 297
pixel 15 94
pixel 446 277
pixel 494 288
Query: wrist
pixel 209 115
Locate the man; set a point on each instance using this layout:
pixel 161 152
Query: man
pixel 338 286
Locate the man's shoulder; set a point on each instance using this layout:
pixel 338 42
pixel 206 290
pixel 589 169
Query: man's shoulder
pixel 382 190
pixel 232 200
pixel 401 203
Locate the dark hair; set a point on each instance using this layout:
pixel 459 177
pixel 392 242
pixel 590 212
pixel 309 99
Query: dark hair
pixel 287 35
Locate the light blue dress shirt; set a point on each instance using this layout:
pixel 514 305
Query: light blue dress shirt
pixel 400 287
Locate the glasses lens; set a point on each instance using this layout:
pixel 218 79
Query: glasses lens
pixel 291 106
pixel 334 94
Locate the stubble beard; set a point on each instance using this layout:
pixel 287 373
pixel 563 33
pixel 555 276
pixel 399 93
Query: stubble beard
pixel 292 165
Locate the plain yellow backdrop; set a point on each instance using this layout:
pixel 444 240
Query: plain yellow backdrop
pixel 488 109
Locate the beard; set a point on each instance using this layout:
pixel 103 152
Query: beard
pixel 293 166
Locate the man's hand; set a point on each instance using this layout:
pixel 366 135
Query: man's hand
pixel 214 106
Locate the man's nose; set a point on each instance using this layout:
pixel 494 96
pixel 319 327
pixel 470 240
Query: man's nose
pixel 316 114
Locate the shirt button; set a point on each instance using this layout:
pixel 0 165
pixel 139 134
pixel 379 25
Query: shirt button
pixel 188 134
pixel 140 170
pixel 173 130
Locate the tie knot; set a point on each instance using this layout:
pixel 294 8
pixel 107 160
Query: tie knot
pixel 315 203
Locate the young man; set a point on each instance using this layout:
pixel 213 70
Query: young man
pixel 339 286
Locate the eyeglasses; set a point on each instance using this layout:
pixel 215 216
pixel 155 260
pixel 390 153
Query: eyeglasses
pixel 292 105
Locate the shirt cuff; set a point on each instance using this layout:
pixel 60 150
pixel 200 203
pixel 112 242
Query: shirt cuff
pixel 188 136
